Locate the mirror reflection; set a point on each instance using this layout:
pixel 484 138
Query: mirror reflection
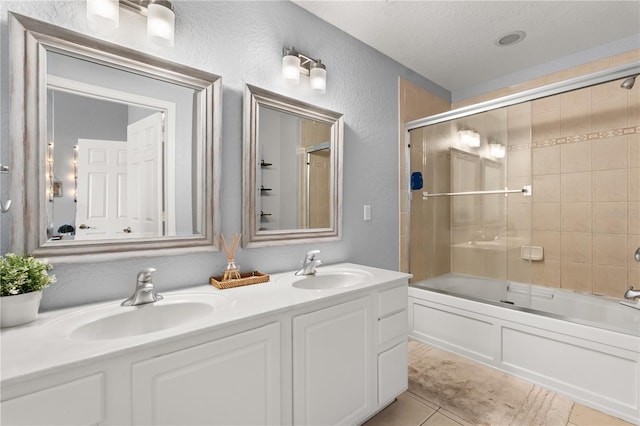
pixel 112 164
pixel 292 171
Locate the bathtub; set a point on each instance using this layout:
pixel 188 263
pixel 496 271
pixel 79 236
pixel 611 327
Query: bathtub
pixel 582 346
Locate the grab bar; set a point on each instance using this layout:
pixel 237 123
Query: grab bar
pixel 526 191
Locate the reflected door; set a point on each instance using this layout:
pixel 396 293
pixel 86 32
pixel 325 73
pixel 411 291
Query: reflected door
pixel 102 189
pixel 145 176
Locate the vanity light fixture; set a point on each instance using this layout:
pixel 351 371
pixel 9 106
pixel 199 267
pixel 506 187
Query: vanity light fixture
pixel 104 16
pixel 295 63
pixel 497 150
pixel 469 137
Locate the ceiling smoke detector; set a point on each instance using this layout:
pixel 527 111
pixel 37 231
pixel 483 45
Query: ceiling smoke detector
pixel 511 38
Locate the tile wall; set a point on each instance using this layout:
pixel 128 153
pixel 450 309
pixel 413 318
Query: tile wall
pixel 586 174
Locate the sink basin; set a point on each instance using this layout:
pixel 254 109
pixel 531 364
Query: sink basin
pixel 111 321
pixel 142 319
pixel 330 279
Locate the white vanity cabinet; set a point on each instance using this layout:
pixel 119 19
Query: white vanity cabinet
pixel 279 355
pixel 224 377
pixel 332 364
pixel 392 362
pixel 350 359
pixel 229 381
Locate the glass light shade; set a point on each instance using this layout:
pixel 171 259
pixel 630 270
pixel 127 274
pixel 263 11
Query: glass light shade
pixel 103 15
pixel 160 25
pixel 497 150
pixel 291 69
pixel 470 138
pixel 318 79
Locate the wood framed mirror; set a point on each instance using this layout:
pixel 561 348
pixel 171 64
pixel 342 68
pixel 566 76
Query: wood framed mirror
pixel 292 188
pixel 113 151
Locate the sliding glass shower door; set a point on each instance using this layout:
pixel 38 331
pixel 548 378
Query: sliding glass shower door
pixel 471 219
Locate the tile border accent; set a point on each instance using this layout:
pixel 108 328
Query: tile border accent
pixel 622 131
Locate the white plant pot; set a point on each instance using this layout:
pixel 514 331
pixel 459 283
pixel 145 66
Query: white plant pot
pixel 19 309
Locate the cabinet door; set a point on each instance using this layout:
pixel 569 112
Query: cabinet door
pixel 332 365
pixel 392 373
pixel 79 402
pixel 230 381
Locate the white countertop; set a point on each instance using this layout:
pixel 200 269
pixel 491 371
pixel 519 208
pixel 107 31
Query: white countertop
pixel 46 345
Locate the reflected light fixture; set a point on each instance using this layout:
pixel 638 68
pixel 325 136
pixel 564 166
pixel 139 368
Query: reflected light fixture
pixel 295 63
pixel 75 173
pixel 50 178
pixel 469 137
pixel 104 16
pixel 497 150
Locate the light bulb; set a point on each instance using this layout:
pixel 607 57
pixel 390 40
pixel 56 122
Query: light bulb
pixel 103 15
pixel 161 24
pixel 497 150
pixel 470 138
pixel 291 67
pixel 318 78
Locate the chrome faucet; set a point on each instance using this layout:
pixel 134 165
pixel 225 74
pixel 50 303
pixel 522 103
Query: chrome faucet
pixel 145 291
pixel 631 294
pixel 310 263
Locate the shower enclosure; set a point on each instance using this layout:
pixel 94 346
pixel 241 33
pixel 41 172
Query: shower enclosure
pixel 531 194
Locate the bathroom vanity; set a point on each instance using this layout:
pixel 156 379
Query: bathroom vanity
pixel 323 349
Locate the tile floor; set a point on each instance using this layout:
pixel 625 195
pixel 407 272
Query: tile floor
pixel 412 410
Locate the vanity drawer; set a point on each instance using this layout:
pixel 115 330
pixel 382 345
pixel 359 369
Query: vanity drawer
pixel 392 327
pixel 79 402
pixel 392 300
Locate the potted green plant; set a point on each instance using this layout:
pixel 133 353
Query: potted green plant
pixel 22 279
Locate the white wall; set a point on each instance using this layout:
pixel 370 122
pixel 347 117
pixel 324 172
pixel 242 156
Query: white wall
pixel 242 42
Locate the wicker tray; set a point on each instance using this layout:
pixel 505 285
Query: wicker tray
pixel 246 278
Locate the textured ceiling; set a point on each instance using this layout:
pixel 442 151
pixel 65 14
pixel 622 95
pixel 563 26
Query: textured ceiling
pixel 452 43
